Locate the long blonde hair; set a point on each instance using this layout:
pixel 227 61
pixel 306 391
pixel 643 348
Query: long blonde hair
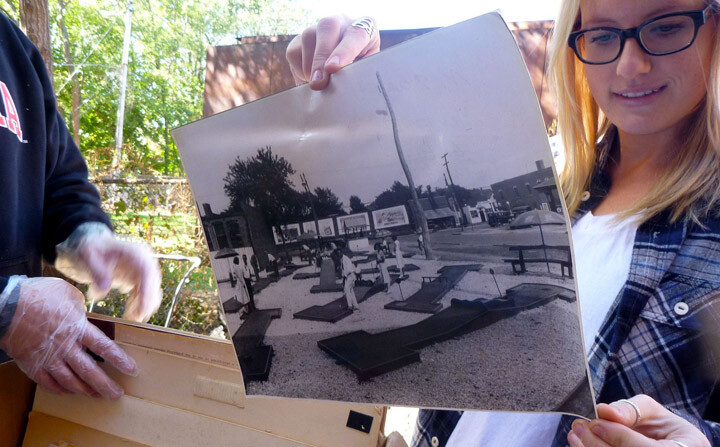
pixel 690 189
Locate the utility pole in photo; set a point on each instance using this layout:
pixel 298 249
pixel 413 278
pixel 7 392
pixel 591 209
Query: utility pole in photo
pixel 306 187
pixel 452 190
pixel 123 87
pixel 419 214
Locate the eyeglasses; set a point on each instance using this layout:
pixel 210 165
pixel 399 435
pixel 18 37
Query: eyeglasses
pixel 660 36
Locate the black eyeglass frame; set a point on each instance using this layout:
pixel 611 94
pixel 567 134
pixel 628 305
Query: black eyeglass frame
pixel 699 16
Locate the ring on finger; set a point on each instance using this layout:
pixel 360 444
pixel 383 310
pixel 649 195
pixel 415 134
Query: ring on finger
pixel 365 23
pixel 637 411
pixel 681 444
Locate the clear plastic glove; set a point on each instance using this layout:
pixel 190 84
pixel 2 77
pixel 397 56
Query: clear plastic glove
pixel 323 49
pixel 651 425
pixel 48 335
pixel 92 255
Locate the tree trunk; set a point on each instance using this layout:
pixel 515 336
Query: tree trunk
pixel 35 23
pixel 75 80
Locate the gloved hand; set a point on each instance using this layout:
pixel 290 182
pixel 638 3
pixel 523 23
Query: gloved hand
pixel 48 334
pixel 394 439
pixel 92 255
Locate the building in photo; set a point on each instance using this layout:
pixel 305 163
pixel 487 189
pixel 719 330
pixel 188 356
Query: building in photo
pixel 440 211
pixel 534 190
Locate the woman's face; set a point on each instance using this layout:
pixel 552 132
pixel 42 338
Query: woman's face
pixel 643 94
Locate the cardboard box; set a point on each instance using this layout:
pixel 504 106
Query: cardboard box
pixel 189 393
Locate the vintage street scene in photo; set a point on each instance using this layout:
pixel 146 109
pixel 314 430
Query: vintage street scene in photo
pixel 398 238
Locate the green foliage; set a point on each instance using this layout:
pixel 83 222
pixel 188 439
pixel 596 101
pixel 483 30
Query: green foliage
pixel 164 90
pixel 162 214
pixel 166 67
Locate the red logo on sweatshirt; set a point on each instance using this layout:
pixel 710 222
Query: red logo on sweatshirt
pixel 11 119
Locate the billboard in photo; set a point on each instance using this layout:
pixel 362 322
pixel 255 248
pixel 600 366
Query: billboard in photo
pixel 291 233
pixel 353 222
pixel 390 217
pixel 327 229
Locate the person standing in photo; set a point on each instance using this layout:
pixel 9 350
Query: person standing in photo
pixel 255 266
pixel 398 256
pixel 385 246
pixel 382 266
pixel 240 289
pixel 349 277
pixel 248 283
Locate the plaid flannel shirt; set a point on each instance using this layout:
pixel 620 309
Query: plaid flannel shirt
pixel 661 337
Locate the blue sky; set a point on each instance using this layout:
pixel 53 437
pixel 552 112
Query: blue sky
pixel 402 14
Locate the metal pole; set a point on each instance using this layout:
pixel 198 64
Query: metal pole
pixel 312 207
pixel 123 83
pixel 452 190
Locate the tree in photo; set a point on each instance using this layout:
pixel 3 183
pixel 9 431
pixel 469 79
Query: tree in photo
pixel 356 205
pixel 397 194
pixel 263 181
pixel 166 71
pixel 327 203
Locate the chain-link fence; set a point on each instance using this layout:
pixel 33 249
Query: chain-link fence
pixel 160 210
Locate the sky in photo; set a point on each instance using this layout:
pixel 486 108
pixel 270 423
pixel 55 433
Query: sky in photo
pixel 480 109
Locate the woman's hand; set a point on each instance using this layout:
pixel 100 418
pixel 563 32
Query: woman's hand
pixel 620 424
pixel 325 48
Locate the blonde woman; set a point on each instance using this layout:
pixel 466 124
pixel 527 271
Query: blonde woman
pixel 638 89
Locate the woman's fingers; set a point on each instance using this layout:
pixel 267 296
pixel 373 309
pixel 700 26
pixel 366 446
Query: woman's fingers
pixel 329 33
pixel 308 39
pixel 618 435
pixel 323 49
pixel 356 43
pixel 641 421
pixel 629 412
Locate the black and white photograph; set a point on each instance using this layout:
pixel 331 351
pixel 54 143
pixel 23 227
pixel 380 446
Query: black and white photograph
pixel 398 238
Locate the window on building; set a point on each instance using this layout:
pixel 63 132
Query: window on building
pixel 221 235
pixel 209 238
pixel 501 194
pixel 235 233
pixel 529 189
pixel 517 192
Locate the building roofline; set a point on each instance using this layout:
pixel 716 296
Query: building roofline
pixel 514 26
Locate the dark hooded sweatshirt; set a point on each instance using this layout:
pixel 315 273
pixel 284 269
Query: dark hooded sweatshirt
pixel 44 188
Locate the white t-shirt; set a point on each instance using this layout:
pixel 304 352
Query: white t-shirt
pixel 603 251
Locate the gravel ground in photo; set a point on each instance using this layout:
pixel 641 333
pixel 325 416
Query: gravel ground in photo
pixel 528 362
